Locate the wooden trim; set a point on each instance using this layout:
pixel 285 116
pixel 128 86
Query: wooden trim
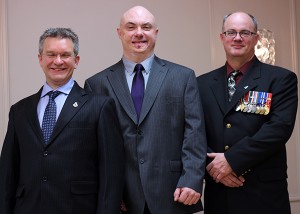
pixel 4 78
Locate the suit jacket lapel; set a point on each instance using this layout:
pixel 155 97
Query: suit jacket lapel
pixel 32 116
pixel 219 88
pixel 76 99
pixel 157 74
pixel 118 82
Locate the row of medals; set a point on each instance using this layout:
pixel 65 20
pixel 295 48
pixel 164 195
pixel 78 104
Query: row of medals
pixel 255 102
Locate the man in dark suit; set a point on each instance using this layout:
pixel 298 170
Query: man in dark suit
pixel 80 168
pixel 247 132
pixel 164 135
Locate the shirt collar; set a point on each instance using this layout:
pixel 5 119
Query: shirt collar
pixel 242 69
pixel 65 89
pixel 129 65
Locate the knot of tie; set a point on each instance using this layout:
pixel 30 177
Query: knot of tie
pixel 137 89
pixel 53 94
pixel 232 84
pixel 138 68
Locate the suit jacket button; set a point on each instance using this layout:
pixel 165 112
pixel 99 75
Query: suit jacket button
pixel 45 179
pixel 226 147
pixel 228 125
pixel 142 161
pixel 45 153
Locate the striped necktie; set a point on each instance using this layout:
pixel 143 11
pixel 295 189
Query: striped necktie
pixel 137 89
pixel 232 84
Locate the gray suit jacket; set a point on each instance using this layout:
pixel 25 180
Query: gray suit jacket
pixel 75 172
pixel 167 147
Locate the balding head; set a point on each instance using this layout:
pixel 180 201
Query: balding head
pixel 240 15
pixel 138 32
pixel 138 11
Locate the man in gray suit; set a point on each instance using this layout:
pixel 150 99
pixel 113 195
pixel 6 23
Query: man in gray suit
pixel 164 135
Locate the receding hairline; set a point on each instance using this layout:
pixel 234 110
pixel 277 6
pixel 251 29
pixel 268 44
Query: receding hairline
pixel 137 9
pixel 254 21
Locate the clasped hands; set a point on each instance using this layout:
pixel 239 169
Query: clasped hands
pixel 220 170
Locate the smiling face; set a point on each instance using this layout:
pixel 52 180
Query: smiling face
pixel 238 48
pixel 58 61
pixel 138 33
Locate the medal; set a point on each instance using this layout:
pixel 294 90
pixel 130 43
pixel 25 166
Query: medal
pixel 245 102
pixel 263 100
pixel 259 104
pixel 268 103
pixel 242 105
pixel 267 110
pixel 251 97
pixel 254 103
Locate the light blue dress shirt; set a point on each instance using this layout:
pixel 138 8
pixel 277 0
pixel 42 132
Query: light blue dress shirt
pixel 59 100
pixel 129 70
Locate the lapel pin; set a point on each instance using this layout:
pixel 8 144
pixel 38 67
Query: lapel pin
pixel 75 104
pixel 246 87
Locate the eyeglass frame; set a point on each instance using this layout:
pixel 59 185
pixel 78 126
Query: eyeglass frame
pixel 62 56
pixel 247 35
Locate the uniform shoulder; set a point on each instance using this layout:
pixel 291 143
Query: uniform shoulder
pixel 276 71
pixel 210 74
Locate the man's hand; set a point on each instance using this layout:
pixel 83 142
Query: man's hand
pixel 232 180
pixel 219 167
pixel 186 196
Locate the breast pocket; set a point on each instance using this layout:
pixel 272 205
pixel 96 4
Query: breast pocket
pixel 80 125
pixel 174 100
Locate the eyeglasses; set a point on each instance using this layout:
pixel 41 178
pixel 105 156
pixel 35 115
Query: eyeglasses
pixel 63 56
pixel 243 33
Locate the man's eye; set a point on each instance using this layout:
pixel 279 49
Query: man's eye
pixel 147 28
pixel 231 33
pixel 245 33
pixel 65 55
pixel 130 27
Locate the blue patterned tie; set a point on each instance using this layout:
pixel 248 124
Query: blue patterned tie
pixel 49 118
pixel 232 84
pixel 137 89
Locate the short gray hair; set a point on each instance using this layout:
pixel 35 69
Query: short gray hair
pixel 59 33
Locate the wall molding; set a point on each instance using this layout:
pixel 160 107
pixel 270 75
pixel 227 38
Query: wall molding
pixel 295 65
pixel 4 77
pixel 295 198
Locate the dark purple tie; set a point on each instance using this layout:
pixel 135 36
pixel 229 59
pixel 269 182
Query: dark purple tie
pixel 137 89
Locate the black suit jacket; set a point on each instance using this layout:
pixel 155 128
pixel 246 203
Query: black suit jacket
pixel 79 171
pixel 253 144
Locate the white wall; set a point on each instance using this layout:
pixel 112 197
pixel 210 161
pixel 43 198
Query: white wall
pixel 188 34
pixel 95 22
